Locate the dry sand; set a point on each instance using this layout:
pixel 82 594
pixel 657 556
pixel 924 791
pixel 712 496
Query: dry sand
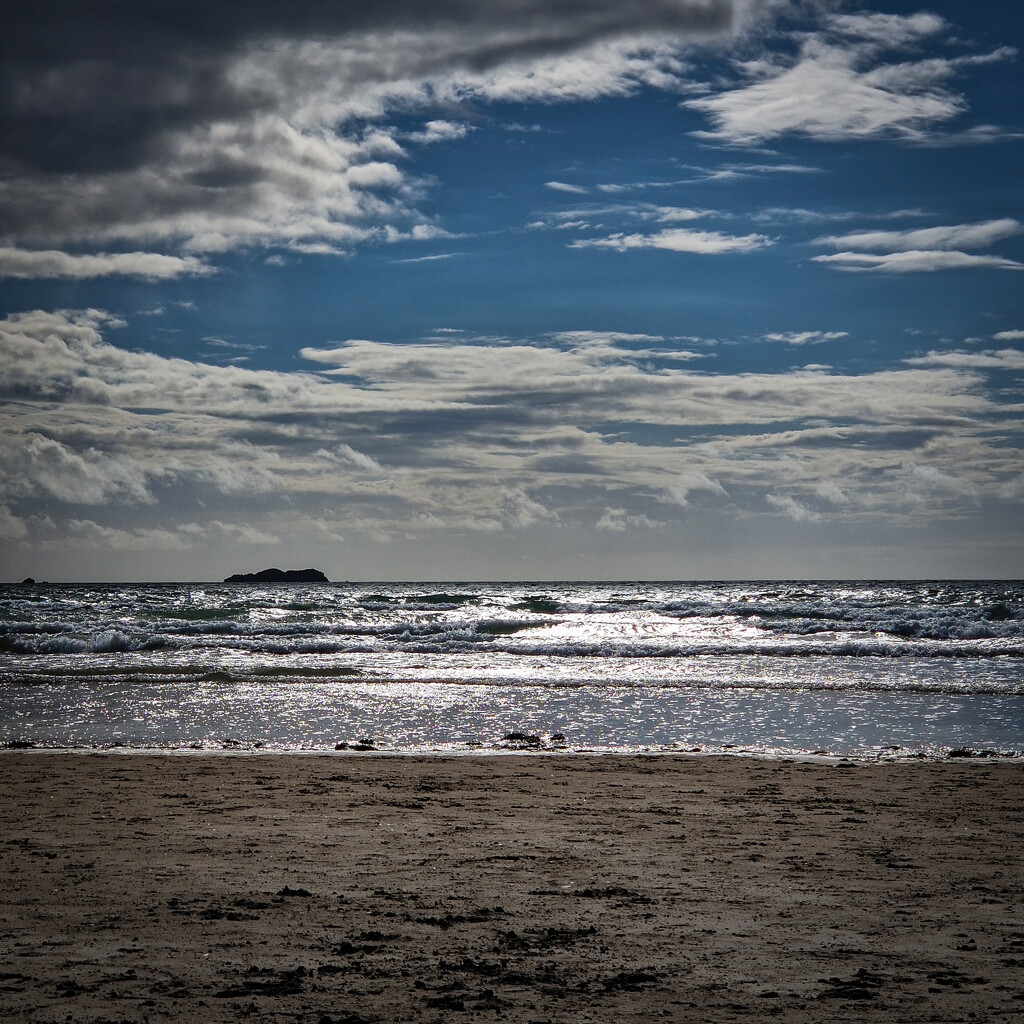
pixel 519 888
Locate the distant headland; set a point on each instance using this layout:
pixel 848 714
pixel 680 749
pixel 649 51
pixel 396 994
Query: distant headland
pixel 279 576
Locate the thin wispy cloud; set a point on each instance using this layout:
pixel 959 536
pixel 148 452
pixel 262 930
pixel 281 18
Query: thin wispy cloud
pixel 915 261
pixel 430 259
pixel 921 250
pixel 803 215
pixel 708 243
pixel 561 186
pixel 732 172
pixel 953 236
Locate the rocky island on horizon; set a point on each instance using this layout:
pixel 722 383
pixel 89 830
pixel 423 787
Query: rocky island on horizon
pixel 279 576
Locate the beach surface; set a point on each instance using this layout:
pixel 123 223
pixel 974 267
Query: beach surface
pixel 366 888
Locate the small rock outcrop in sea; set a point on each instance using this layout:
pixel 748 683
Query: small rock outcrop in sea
pixel 364 744
pixel 279 576
pixel 522 740
pixel 27 581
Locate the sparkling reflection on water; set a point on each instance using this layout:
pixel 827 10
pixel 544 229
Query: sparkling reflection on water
pixel 420 716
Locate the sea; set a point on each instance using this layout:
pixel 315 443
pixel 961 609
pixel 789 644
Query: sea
pixel 864 670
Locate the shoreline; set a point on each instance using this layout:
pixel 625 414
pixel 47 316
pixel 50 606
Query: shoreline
pixel 364 889
pixel 887 756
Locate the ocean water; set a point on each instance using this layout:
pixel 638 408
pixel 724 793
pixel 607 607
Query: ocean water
pixel 880 669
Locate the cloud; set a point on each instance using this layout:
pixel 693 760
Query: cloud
pixel 792 508
pixel 204 132
pixel 433 258
pixel 887 31
pixel 11 527
pixel 677 240
pixel 619 520
pixel 347 454
pixel 953 236
pixel 671 214
pixel 603 338
pixel 838 87
pixel 561 186
pixel 584 216
pixel 915 261
pixel 115 87
pixel 519 511
pixel 976 135
pixel 745 169
pixel 440 131
pixel 806 337
pixel 493 436
pixel 922 249
pixel 830 491
pixel 775 214
pixel 181 538
pixel 1004 359
pixel 933 478
pixel 36 464
pixel 741 171
pixel 52 263
pixel 1009 336
pixel 201 133
pixel 692 481
pixel 243 533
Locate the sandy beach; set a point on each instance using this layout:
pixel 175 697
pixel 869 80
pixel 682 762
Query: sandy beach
pixel 364 888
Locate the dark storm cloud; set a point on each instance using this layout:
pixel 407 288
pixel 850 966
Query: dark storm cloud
pixel 94 86
pixel 207 127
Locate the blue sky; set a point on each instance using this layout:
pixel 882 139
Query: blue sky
pixel 669 289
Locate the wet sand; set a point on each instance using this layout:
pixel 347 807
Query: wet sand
pixel 361 888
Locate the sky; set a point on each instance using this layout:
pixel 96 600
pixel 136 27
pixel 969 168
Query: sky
pixel 515 289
